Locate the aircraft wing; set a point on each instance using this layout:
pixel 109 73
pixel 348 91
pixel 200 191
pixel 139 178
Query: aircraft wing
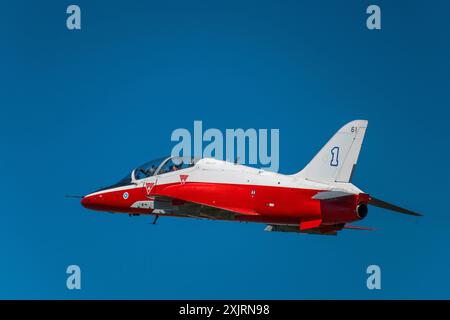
pixel 163 205
pixel 201 197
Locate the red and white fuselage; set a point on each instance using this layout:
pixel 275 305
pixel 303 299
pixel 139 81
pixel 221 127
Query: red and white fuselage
pixel 319 199
pixel 248 194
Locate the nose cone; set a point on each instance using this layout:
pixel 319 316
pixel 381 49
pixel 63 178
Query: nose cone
pixel 99 201
pixel 86 201
pixel 93 201
pixel 107 200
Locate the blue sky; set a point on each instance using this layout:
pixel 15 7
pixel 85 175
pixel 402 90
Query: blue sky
pixel 79 109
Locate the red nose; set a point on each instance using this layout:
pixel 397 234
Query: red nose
pixel 96 202
pixel 85 201
pixel 92 202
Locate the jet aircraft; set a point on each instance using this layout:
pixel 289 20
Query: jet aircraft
pixel 320 199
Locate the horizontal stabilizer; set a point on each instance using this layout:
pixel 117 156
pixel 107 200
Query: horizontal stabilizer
pixel 326 195
pixel 385 205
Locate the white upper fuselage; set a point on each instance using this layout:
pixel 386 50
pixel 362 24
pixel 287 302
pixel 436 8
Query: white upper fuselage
pixel 209 170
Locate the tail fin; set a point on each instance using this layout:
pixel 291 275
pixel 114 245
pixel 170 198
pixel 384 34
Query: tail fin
pixel 336 161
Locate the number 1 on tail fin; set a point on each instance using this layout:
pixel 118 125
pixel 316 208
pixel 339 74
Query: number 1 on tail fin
pixel 336 160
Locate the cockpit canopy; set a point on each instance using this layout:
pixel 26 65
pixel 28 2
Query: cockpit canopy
pixel 161 166
pixel 148 169
pixel 154 168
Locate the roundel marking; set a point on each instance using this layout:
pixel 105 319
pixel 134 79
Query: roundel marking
pixel 125 195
